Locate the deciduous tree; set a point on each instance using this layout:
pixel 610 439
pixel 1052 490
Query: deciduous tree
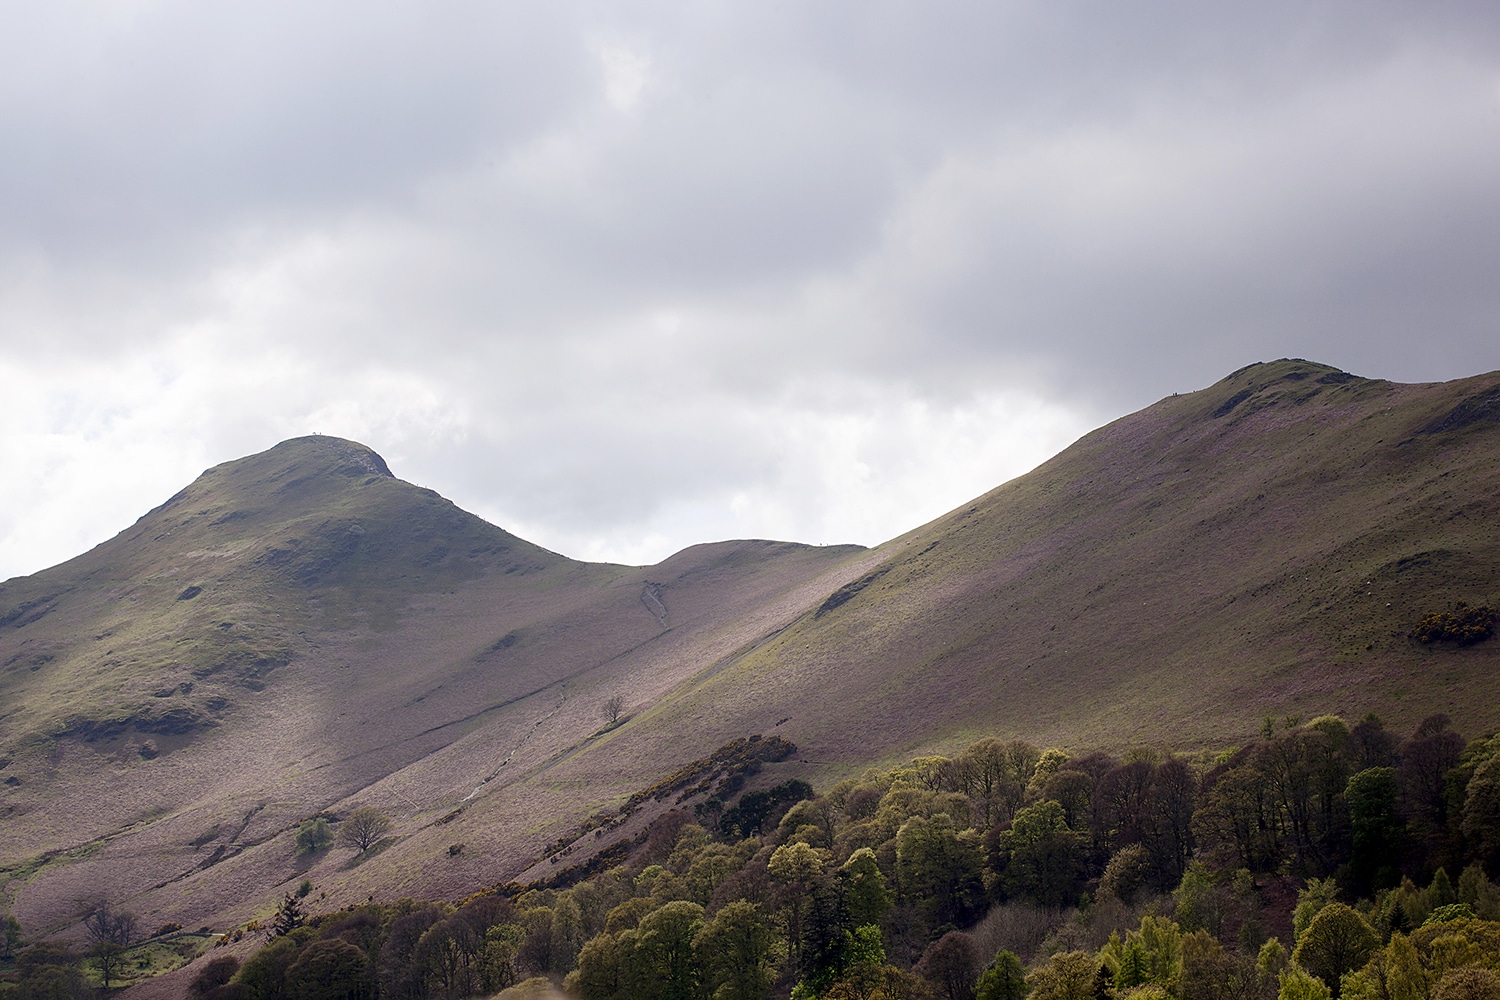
pixel 1003 979
pixel 1337 941
pixel 733 952
pixel 1069 975
pixel 363 828
pixel 313 835
pixel 666 964
pixel 330 969
pixel 613 708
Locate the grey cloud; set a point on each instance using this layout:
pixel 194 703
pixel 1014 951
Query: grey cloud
pixel 433 225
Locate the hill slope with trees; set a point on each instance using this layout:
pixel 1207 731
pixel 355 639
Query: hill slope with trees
pixel 299 634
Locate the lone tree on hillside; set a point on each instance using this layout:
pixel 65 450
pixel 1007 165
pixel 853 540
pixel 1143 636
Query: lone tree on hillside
pixel 10 937
pixel 288 917
pixel 108 956
pixel 613 708
pixel 313 835
pixel 105 923
pixel 363 828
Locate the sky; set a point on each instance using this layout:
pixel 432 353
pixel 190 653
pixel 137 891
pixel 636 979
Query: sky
pixel 621 277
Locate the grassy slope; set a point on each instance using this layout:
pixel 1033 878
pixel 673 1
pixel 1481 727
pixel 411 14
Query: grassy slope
pixel 1259 547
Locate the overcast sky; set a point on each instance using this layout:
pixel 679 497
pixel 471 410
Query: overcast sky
pixel 621 277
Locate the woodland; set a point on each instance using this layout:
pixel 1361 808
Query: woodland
pixel 1320 859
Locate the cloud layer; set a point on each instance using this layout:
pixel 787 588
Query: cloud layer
pixel 623 277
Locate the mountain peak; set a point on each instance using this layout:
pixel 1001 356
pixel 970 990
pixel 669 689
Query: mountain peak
pixel 348 457
pixel 1266 383
pixel 302 457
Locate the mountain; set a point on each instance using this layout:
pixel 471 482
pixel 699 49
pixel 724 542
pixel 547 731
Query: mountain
pixel 299 632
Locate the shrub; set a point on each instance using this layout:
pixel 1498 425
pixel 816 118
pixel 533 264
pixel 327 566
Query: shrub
pixel 1463 625
pixel 213 975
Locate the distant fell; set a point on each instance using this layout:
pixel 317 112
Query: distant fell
pixel 298 633
pixel 163 627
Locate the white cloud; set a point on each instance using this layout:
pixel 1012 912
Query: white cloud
pixel 626 75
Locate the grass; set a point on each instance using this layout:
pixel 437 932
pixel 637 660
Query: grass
pixel 154 958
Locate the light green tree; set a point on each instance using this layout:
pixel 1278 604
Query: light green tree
pixel 604 967
pixel 1394 973
pixel 1297 984
pixel 734 952
pixel 666 966
pixel 313 835
pixel 1338 940
pixel 797 866
pixel 1316 894
pixel 1068 975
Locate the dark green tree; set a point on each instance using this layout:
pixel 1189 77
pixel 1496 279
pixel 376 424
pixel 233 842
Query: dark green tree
pixel 401 977
pixel 288 916
pixel 449 953
pixel 864 888
pixel 107 957
pixel 1480 820
pixel 1043 858
pixel 264 973
pixel 214 975
pixel 330 969
pixel 1376 830
pixel 940 869
pixel 1167 823
pixel 48 971
pixel 10 937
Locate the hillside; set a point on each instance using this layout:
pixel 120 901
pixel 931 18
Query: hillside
pixel 1260 547
pixel 300 631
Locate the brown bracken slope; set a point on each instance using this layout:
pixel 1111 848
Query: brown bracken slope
pixel 299 632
